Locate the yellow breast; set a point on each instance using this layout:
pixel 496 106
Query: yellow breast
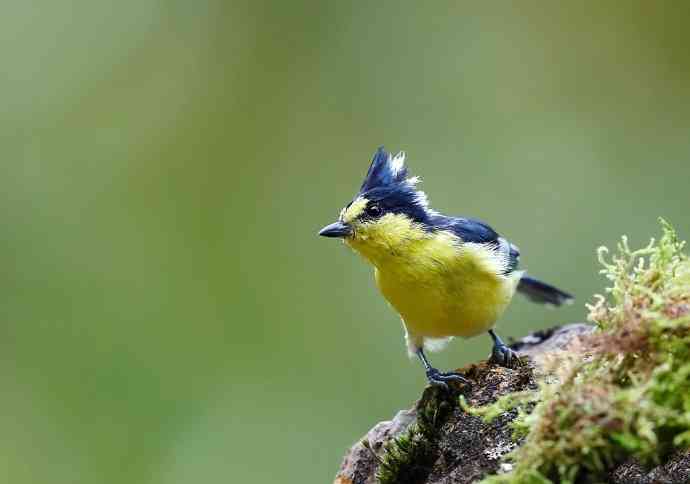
pixel 440 285
pixel 444 289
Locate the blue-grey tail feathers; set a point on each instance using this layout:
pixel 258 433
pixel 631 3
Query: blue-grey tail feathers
pixel 542 293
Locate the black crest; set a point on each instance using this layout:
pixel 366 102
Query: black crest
pixel 384 171
pixel 387 185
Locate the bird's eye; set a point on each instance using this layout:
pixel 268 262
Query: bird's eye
pixel 373 210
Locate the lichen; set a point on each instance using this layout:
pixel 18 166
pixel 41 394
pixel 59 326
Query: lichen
pixel 621 392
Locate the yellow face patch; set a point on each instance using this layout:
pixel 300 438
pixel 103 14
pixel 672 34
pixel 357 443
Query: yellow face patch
pixel 350 214
pixel 384 237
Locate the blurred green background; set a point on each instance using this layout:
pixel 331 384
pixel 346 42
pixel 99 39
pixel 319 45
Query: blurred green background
pixel 168 313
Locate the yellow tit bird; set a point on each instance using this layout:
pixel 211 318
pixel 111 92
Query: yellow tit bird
pixel 445 276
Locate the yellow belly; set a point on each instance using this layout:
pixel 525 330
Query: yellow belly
pixel 459 299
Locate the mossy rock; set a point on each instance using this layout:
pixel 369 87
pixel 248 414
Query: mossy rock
pixel 437 438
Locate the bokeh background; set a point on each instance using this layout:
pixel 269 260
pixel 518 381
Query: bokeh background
pixel 168 314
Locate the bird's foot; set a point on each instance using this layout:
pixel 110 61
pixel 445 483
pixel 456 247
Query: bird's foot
pixel 441 379
pixel 502 355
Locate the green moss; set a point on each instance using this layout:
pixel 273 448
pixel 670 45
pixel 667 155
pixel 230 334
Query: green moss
pixel 408 459
pixel 623 391
pixel 523 402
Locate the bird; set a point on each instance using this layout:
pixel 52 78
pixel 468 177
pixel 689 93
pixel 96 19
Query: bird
pixel 445 276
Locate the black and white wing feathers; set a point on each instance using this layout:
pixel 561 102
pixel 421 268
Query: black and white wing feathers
pixel 476 231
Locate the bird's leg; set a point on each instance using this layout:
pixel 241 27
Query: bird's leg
pixel 436 377
pixel 501 354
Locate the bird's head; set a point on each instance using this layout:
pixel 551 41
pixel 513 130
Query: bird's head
pixel 387 213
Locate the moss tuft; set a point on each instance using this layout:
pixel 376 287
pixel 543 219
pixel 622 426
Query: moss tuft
pixel 408 459
pixel 624 390
pixel 522 401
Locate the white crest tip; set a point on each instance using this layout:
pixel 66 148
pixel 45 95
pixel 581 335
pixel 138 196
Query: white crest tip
pixel 398 163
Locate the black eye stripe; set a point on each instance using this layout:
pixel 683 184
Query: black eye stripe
pixel 371 212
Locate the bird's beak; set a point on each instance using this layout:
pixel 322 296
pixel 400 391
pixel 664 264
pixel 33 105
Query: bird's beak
pixel 336 229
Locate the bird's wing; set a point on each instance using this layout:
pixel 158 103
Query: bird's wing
pixel 472 230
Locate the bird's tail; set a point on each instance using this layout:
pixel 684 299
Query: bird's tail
pixel 543 293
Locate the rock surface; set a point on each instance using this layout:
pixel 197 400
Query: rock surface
pixel 466 448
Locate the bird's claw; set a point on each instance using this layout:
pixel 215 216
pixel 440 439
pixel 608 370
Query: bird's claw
pixel 502 355
pixel 440 379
